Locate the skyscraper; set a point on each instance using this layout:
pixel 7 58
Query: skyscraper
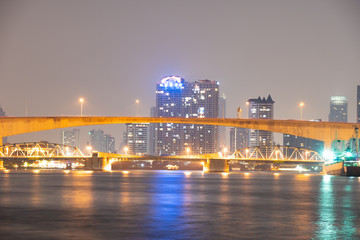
pixel 338 109
pixel 222 114
pixel 177 98
pixel 239 137
pixel 137 138
pixel 261 108
pixel 102 142
pixel 71 137
pixel 152 137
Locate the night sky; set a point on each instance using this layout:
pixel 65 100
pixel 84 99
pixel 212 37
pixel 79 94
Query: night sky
pixel 113 52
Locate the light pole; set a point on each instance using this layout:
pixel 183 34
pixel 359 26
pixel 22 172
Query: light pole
pixel 225 150
pixel 126 150
pixel 187 151
pixel 89 150
pixel 301 108
pixel 137 107
pixel 81 100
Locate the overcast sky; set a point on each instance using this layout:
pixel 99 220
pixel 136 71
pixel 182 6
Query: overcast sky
pixel 113 52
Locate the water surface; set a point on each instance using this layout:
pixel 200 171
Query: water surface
pixel 177 205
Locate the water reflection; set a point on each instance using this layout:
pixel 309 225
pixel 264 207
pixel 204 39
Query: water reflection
pixel 337 210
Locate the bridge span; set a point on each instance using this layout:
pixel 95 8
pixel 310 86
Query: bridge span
pixel 214 162
pixel 323 131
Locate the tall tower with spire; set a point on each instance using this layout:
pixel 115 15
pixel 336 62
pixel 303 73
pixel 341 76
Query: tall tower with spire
pixel 261 108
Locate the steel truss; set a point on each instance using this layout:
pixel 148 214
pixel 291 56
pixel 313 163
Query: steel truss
pixel 276 153
pixel 38 150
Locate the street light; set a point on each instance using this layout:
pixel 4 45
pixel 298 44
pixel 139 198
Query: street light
pixel 137 107
pixel 81 100
pixel 225 150
pixel 126 150
pixel 187 151
pixel 301 108
pixel 88 150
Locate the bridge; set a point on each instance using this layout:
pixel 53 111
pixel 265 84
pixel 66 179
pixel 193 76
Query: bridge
pixel 323 131
pixel 214 162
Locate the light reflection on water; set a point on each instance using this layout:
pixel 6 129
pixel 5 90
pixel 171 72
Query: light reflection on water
pixel 177 205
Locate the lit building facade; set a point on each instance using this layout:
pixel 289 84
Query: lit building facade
pixel 71 137
pixel 177 98
pixel 101 142
pixel 338 109
pixel 261 108
pixel 152 136
pixel 137 138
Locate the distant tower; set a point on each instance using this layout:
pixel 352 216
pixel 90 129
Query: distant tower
pixel 358 104
pixel 261 108
pixel 102 142
pixel 152 137
pixel 71 137
pixel 222 114
pixel 239 137
pixel 338 109
pixel 137 138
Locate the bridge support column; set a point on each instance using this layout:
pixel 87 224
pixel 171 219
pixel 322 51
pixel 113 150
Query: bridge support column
pixel 1 165
pixel 216 165
pixel 96 162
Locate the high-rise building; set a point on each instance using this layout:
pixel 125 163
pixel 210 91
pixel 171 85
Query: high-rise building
pixel 152 137
pixel 2 114
pixel 137 138
pixel 239 137
pixel 102 142
pixel 71 137
pixel 358 104
pixel 338 109
pixel 177 98
pixel 222 129
pixel 261 108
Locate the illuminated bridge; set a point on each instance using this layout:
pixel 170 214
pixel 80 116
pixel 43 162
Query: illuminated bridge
pixel 212 162
pixel 323 131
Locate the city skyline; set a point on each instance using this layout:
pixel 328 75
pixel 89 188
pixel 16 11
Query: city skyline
pixel 260 49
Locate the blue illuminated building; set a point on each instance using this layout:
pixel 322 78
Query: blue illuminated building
pixel 177 98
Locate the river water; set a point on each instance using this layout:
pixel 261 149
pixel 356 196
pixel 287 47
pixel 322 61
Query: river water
pixel 177 205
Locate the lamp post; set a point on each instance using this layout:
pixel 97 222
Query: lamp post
pixel 225 150
pixel 89 150
pixel 126 150
pixel 301 108
pixel 81 100
pixel 137 107
pixel 187 151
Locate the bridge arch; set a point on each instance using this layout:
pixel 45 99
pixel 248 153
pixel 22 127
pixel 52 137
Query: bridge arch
pixel 323 131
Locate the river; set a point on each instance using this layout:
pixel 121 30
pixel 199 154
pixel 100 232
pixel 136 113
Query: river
pixel 177 205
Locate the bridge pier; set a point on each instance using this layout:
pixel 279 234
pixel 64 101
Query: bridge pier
pixel 96 163
pixel 216 165
pixel 1 165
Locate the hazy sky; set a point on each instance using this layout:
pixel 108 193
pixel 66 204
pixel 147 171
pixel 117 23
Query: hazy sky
pixel 113 52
